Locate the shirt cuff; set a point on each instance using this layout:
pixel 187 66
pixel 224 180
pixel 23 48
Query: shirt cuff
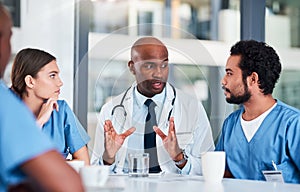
pixel 112 167
pixel 186 169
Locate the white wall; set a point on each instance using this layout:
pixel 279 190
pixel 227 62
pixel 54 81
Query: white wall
pixel 49 25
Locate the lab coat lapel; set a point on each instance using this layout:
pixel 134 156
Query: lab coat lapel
pixel 128 104
pixel 167 107
pixel 163 124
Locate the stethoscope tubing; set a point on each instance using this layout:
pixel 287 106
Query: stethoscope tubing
pixel 123 107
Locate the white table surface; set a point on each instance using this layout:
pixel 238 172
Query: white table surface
pixel 178 183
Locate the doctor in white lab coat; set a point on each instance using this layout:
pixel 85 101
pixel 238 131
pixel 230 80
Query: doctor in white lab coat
pixel 183 130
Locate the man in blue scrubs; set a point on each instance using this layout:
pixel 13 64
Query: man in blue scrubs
pixel 264 134
pixel 28 160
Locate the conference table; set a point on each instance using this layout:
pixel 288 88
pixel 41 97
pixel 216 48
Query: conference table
pixel 180 183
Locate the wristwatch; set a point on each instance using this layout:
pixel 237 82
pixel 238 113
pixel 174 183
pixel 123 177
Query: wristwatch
pixel 185 158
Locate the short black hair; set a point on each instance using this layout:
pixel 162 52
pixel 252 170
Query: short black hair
pixel 260 58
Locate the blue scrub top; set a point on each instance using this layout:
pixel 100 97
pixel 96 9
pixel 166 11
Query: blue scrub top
pixel 65 130
pixel 277 139
pixel 20 138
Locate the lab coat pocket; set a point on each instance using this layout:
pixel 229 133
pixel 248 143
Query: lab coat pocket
pixel 184 138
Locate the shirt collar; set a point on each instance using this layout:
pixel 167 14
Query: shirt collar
pixel 158 98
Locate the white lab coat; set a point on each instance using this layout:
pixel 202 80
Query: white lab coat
pixel 191 126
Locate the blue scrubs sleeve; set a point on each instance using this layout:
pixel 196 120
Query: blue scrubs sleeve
pixel 76 136
pixel 293 136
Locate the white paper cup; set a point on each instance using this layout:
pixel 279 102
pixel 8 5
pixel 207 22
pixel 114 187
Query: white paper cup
pixel 76 164
pixel 138 165
pixel 94 176
pixel 213 166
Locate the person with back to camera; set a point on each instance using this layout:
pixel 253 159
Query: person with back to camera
pixel 28 160
pixel 177 136
pixel 264 134
pixel 35 78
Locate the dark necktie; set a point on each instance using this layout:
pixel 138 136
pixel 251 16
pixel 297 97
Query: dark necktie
pixel 150 137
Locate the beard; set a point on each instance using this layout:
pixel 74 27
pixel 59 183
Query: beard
pixel 239 99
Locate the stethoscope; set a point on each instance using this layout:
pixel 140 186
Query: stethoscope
pixel 124 110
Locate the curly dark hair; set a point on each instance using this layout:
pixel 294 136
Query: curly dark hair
pixel 260 58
